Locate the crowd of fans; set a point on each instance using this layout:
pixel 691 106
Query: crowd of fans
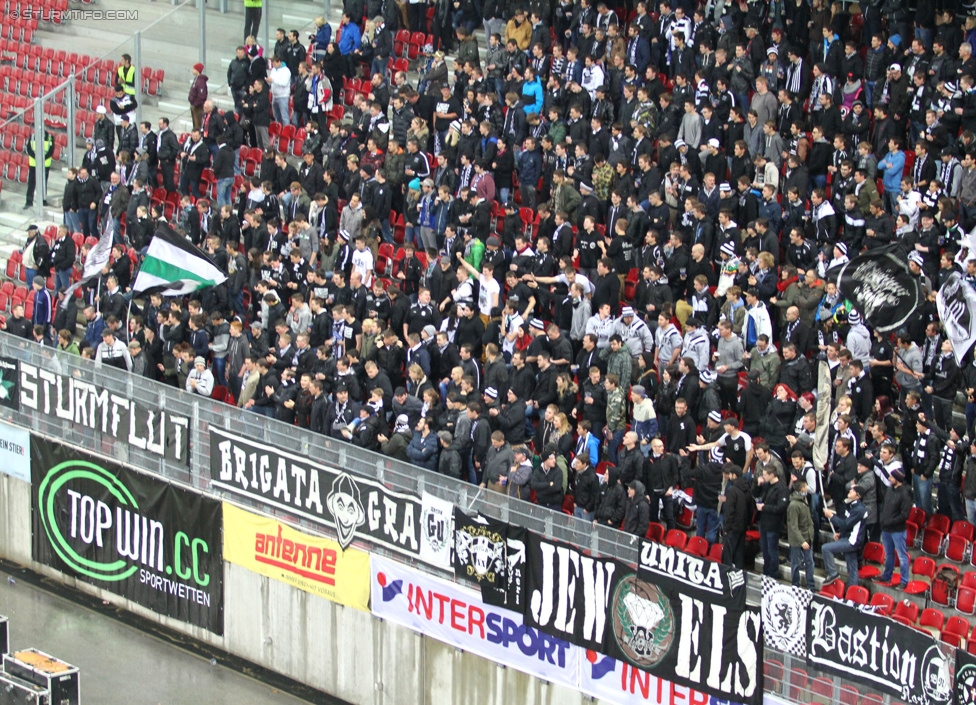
pixel 615 225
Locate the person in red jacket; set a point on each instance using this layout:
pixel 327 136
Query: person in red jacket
pixel 198 95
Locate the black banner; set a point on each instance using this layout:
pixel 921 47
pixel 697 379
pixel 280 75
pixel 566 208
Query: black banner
pixel 491 553
pixel 66 398
pixel 964 689
pixel 128 533
pixel 687 573
pixel 877 651
pixel 685 620
pixel 355 507
pixel 9 383
pixel 882 289
pixel 568 593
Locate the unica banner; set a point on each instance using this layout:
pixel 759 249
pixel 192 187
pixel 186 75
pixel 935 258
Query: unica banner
pixel 311 563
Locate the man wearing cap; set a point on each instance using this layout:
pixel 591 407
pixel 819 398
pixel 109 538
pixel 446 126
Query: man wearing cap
pixel 200 379
pixel 895 510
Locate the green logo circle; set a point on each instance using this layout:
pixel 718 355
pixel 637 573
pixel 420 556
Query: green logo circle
pixel 53 483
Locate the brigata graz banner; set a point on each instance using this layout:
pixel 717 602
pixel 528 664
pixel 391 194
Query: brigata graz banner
pixel 128 533
pixel 358 508
pixel 877 651
pixel 66 398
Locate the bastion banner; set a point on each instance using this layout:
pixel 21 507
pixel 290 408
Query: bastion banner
pixel 128 533
pixel 311 563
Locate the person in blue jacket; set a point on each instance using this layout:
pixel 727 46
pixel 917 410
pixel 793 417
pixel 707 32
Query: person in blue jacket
pixel 349 42
pixel 424 448
pixel 323 35
pixel 43 306
pixel 587 442
pixel 849 533
pixel 892 166
pixel 638 49
pixel 532 92
pixel 529 171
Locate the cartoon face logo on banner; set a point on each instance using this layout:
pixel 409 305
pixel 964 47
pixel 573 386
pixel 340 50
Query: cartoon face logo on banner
pixel 935 675
pixel 642 621
pixel 966 684
pixel 344 503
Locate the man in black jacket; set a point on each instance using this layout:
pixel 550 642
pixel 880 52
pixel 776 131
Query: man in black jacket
pixel 739 508
pixel 167 149
pixel 925 456
pixel 773 497
pixel 588 488
pixel 661 475
pixel 613 497
pixel 894 513
pixel 706 479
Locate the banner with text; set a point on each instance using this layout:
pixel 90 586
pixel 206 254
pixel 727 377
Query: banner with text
pixel 613 681
pixel 15 452
pixel 691 637
pixel 491 553
pixel 356 507
pixel 877 651
pixel 66 398
pixel 129 533
pixel 311 563
pixel 459 617
pixel 568 593
pixel 964 689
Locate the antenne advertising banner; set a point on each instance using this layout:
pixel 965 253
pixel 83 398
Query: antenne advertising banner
pixel 459 617
pixel 357 507
pixel 128 533
pixel 877 651
pixel 311 563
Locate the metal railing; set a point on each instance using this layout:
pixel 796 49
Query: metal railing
pixel 786 676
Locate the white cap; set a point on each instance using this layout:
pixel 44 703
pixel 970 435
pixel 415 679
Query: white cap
pixel 895 67
pixel 714 143
pixel 101 110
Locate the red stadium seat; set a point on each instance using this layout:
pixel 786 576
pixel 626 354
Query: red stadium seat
pixel 931 620
pixel 873 553
pixel 923 572
pixel 858 595
pixel 676 539
pixel 655 532
pixel 883 601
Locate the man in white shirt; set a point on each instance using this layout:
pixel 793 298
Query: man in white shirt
pixel 489 290
pixel 280 78
pixel 362 261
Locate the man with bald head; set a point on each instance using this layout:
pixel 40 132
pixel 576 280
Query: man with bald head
pixel 795 331
pixel 700 263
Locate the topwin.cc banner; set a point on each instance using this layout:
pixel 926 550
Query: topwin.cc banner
pixel 129 533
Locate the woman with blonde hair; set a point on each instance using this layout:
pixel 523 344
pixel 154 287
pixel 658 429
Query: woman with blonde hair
pixel 567 393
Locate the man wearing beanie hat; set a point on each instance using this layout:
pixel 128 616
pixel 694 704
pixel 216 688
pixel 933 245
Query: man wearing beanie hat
pixel 200 379
pixel 395 446
pixel 198 95
pixel 850 531
pixel 895 509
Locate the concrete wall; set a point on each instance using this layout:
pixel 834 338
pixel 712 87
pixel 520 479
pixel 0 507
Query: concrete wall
pixel 342 651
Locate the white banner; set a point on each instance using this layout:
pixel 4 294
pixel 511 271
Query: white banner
pixel 457 616
pixel 956 302
pixel 613 681
pixel 15 452
pixel 436 531
pixel 784 611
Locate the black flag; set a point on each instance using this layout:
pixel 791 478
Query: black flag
pixel 882 288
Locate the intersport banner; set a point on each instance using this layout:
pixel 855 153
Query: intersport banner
pixel 459 617
pixel 877 651
pixel 86 405
pixel 128 533
pixel 358 508
pixel 311 563
pixel 613 681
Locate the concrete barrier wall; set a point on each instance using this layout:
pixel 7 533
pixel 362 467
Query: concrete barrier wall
pixel 339 650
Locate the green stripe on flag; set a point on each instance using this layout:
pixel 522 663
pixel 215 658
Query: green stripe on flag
pixel 171 273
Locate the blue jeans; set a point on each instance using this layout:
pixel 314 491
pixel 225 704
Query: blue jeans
pixel 923 493
pixel 971 511
pixel 88 219
pixel 801 560
pixel 280 108
pixel 850 555
pixel 925 35
pixel 869 91
pixel 62 279
pixel 581 513
pixel 615 440
pixel 29 276
pixel 769 541
pixel 220 367
pixel 73 222
pixel 223 191
pixel 818 181
pixel 708 523
pixel 894 542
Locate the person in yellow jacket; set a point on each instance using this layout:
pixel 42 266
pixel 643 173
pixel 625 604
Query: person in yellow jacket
pixel 32 163
pixel 125 75
pixel 252 17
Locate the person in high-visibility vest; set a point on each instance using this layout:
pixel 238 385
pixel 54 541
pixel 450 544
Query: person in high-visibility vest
pixel 252 17
pixel 32 173
pixel 125 75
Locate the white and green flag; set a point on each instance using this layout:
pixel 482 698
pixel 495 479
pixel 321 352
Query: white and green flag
pixel 173 266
